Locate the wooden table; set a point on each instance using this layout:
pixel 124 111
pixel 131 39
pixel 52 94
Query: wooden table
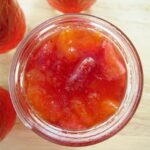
pixel 133 17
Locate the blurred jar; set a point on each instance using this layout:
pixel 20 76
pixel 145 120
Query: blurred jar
pixel 71 6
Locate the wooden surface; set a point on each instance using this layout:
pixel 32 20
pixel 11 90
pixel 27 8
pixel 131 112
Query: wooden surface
pixel 133 17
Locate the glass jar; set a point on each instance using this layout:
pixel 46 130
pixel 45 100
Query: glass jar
pixel 100 132
pixel 71 6
pixel 12 25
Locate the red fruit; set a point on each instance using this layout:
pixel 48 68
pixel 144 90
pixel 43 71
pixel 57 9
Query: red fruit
pixel 12 25
pixel 7 113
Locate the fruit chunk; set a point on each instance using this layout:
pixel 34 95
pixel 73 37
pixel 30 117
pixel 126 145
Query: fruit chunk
pixel 72 43
pixel 45 104
pixel 71 121
pixel 93 104
pixel 91 40
pixel 7 113
pixel 80 75
pixel 111 66
pixel 79 108
pixel 35 77
pixel 66 45
pixel 108 107
pixel 101 108
pixel 44 58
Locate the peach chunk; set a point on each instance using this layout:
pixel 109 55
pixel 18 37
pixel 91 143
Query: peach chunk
pixel 111 66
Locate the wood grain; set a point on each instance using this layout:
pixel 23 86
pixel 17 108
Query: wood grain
pixel 133 17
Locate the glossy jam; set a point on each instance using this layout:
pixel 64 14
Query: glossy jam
pixel 12 25
pixel 71 6
pixel 7 113
pixel 76 78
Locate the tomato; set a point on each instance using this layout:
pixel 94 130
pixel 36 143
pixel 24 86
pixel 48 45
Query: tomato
pixel 7 113
pixel 12 25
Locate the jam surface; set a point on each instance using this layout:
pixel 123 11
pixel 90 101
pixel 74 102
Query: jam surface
pixel 76 78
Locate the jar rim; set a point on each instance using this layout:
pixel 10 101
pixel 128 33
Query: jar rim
pixel 66 138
